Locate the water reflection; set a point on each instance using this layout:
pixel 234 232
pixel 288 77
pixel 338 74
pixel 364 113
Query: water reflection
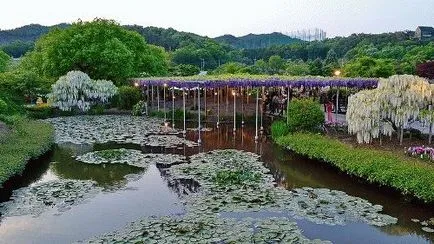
pixel 294 171
pixel 108 176
pixel 155 194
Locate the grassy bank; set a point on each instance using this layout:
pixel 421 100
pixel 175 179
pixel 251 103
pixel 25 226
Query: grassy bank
pixel 26 139
pixel 385 168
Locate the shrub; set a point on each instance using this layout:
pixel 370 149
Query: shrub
pixel 385 168
pixel 279 128
pixel 139 108
pixel 97 109
pixel 128 97
pixel 41 111
pixel 3 106
pixel 304 115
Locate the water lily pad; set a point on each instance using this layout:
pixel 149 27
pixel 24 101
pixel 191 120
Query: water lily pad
pixel 38 198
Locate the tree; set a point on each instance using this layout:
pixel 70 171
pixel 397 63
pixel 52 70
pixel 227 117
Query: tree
pixel 262 66
pixel 369 67
pixel 229 68
pixel 184 70
pixel 316 67
pixel 276 64
pixel 101 48
pixel 4 61
pixel 297 68
pixel 391 106
pixel 426 70
pixel 17 48
pixel 77 90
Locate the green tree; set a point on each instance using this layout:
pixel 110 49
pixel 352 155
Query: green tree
pixel 369 67
pixel 101 48
pixel 297 68
pixel 316 67
pixel 229 68
pixel 4 61
pixel 262 66
pixel 184 70
pixel 276 64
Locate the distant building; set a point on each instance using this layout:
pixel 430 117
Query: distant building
pixel 424 33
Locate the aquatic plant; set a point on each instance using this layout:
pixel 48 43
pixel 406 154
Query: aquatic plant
pixel 40 197
pixel 235 177
pixel 107 128
pixel 131 157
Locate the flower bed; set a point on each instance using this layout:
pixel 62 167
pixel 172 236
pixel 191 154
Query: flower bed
pixel 426 153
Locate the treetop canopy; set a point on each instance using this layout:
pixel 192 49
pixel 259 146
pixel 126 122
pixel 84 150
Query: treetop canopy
pixel 210 81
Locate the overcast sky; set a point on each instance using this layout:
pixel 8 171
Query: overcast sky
pixel 237 17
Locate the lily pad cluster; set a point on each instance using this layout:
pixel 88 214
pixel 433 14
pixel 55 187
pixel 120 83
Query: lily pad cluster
pixel 107 128
pixel 168 141
pixel 234 181
pixel 38 198
pixel 131 157
pixel 207 229
pixel 322 206
pixel 427 225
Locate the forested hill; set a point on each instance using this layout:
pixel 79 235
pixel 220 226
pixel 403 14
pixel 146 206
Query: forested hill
pixel 253 41
pixel 170 38
pixel 27 33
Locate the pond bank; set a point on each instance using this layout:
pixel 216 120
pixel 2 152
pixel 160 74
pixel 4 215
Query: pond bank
pixel 384 168
pixel 25 140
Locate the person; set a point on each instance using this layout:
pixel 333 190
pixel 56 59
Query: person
pixel 329 109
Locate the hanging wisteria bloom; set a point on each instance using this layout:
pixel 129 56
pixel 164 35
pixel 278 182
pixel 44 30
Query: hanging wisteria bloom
pixel 397 101
pixel 77 89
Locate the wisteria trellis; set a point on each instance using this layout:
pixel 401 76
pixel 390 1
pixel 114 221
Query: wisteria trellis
pixel 257 81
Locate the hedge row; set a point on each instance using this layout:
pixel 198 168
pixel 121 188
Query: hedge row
pixel 26 140
pixel 385 168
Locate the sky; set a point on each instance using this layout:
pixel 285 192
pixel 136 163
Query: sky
pixel 237 17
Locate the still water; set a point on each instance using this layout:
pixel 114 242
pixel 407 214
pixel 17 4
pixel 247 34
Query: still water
pixel 125 199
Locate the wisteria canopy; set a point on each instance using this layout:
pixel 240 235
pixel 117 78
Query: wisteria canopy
pixel 256 81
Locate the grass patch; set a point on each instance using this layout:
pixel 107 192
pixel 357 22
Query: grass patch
pixel 385 168
pixel 26 140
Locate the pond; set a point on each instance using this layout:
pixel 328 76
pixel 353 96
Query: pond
pixel 158 183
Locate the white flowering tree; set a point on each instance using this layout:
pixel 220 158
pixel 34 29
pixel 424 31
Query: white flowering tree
pixel 77 89
pixel 395 103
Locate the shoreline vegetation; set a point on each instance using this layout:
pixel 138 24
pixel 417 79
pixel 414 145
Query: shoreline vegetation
pixel 25 140
pixel 409 176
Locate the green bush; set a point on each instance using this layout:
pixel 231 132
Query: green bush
pixel 279 128
pixel 40 111
pixel 27 140
pixel 139 108
pixel 128 97
pixel 179 114
pixel 385 168
pixel 96 109
pixel 3 106
pixel 304 115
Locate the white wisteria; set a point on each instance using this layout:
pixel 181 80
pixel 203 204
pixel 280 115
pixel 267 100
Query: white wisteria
pixel 77 89
pixel 396 102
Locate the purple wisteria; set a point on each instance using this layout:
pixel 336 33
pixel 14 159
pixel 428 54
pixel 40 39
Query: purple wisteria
pixel 258 81
pixel 422 152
